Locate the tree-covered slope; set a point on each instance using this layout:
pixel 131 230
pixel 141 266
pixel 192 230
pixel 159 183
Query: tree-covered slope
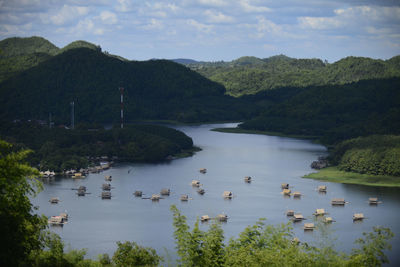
pixel 332 112
pixel 156 89
pixel 249 75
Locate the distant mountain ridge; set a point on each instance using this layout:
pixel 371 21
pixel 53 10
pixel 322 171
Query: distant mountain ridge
pixel 249 75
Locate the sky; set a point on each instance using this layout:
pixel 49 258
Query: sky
pixel 212 30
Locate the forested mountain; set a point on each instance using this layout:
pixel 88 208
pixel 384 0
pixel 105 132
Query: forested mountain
pixel 18 54
pixel 330 112
pixel 156 89
pixel 249 75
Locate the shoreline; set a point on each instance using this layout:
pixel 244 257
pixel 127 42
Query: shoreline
pixel 333 174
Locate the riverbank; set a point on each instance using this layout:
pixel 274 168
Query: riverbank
pixel 244 131
pixel 333 174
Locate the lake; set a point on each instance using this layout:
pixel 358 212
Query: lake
pixel 97 224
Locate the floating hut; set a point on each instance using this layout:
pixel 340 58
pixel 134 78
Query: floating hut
pixel 328 220
pixel 106 187
pixel 285 186
pixel 227 194
pixel 338 201
pixel 298 217
pixel 247 179
pixel 106 195
pixel 358 217
pixel 203 170
pixel 155 197
pixel 222 217
pixel 165 192
pixel 289 212
pixel 309 227
pixel 138 193
pixel 78 175
pixel 184 197
pixel 320 212
pixel 296 194
pixel 201 191
pixel 196 183
pixel 54 200
pixel 57 220
pixel 108 178
pixel 322 188
pixel 205 218
pixel 373 201
pixel 286 192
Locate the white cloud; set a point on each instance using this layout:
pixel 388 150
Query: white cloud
pixel 154 24
pixel 108 17
pixel 68 14
pixel 124 5
pixel 216 3
pixel 248 7
pixel 320 23
pixel 266 26
pixel 200 26
pixel 217 17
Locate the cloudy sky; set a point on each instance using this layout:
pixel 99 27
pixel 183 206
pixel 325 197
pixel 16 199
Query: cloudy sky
pixel 212 30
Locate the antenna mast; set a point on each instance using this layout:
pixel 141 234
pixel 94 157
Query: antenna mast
pixel 72 115
pixel 121 89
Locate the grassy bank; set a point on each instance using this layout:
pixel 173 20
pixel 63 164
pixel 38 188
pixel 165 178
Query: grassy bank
pixel 243 131
pixel 333 174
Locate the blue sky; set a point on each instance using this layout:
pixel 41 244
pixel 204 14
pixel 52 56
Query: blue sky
pixel 213 30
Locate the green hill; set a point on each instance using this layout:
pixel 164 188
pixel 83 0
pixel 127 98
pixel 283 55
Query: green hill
pixel 156 89
pixel 331 112
pixel 249 75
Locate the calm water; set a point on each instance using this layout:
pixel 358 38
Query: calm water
pixel 97 224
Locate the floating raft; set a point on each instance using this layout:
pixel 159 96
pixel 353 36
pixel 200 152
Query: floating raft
pixel 222 217
pixel 205 218
pixel 289 212
pixel 108 178
pixel 328 220
pixel 155 197
pixel 138 193
pixel 358 217
pixel 106 195
pixel 196 183
pixel 247 179
pixel 201 191
pixel 54 200
pixel 373 201
pixel 286 192
pixel 184 197
pixel 203 170
pixel 285 186
pixel 57 220
pixel 298 217
pixel 320 212
pixel 296 194
pixel 165 192
pixel 338 201
pixel 322 188
pixel 309 227
pixel 227 194
pixel 106 187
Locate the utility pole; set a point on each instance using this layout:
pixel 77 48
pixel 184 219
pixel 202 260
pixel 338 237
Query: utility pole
pixel 121 89
pixel 72 115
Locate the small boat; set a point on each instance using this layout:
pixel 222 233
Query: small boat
pixel 328 220
pixel 222 217
pixel 373 201
pixel 338 201
pixel 54 200
pixel 165 192
pixel 309 227
pixel 203 170
pixel 201 191
pixel 358 217
pixel 138 193
pixel 184 197
pixel 247 179
pixel 205 218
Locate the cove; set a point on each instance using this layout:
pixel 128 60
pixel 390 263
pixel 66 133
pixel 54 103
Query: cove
pixel 97 224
